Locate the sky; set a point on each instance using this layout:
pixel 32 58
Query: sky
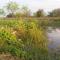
pixel 34 5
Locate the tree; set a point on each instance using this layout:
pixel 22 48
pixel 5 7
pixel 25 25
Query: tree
pixel 10 15
pixel 39 13
pixel 12 7
pixel 54 13
pixel 25 11
pixel 2 12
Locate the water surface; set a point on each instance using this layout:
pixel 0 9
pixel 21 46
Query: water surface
pixel 54 37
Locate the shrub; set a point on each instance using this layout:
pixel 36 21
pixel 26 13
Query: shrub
pixel 34 39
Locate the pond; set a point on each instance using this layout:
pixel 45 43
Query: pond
pixel 53 37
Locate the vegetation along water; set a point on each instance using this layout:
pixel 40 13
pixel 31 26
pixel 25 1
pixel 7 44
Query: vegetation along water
pixel 27 39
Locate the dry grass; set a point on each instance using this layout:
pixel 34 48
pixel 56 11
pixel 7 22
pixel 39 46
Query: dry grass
pixel 8 56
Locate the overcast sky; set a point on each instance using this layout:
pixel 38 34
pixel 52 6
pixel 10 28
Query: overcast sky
pixel 34 5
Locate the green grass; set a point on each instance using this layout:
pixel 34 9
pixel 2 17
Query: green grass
pixel 23 39
pixel 26 39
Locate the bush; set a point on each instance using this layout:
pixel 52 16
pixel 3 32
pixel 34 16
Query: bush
pixel 34 39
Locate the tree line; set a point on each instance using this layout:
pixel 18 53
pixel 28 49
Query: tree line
pixel 12 9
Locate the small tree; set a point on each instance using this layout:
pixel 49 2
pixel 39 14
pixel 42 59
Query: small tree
pixel 55 13
pixel 39 13
pixel 2 12
pixel 12 7
pixel 25 11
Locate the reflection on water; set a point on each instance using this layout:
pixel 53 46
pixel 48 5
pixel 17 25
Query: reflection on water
pixel 54 37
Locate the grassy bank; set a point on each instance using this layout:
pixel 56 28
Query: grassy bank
pixel 26 39
pixel 23 39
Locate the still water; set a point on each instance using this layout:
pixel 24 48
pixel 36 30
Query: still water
pixel 53 37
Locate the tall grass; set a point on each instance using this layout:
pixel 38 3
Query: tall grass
pixel 24 39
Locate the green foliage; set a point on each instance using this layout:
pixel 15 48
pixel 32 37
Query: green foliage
pixel 9 43
pixel 23 39
pixel 55 13
pixel 25 11
pixel 39 13
pixel 2 11
pixel 26 39
pixel 12 7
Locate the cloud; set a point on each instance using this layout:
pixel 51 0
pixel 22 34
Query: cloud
pixel 47 5
pixel 34 5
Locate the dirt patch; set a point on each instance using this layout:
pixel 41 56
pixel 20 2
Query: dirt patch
pixel 8 57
